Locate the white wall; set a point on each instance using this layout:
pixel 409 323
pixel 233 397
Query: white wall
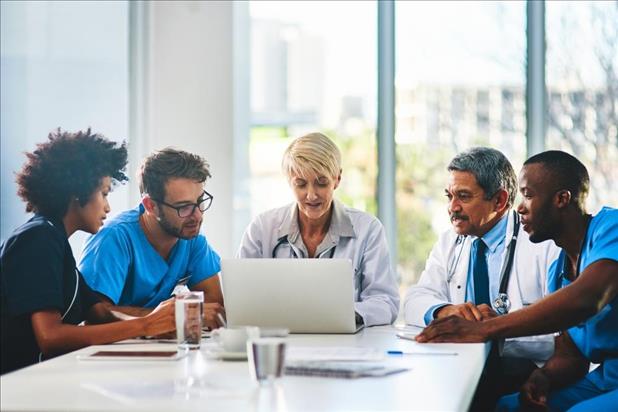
pixel 159 73
pixel 186 98
pixel 63 64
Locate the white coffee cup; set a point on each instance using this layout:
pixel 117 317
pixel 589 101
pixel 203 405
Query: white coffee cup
pixel 234 339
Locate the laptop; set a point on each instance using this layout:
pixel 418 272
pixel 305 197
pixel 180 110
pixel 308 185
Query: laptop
pixel 303 295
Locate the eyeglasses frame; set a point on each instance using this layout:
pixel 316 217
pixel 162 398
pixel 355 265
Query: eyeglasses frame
pixel 195 205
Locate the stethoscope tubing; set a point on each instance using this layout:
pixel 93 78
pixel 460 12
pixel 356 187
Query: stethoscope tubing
pixel 284 240
pixel 506 267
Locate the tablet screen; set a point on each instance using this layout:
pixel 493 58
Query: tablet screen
pixel 132 355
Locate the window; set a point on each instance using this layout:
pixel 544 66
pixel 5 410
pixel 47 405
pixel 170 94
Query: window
pixel 460 80
pixel 582 82
pixel 64 64
pixel 308 74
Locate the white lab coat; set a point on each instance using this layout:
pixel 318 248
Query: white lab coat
pixel 446 272
pixel 354 234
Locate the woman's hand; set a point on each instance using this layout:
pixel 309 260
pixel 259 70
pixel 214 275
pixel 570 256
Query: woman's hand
pixel 161 319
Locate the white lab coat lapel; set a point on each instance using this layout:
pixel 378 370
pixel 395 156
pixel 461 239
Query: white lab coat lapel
pixel 457 284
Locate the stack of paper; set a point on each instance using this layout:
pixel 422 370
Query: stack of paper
pixel 332 353
pixel 347 370
pixel 336 361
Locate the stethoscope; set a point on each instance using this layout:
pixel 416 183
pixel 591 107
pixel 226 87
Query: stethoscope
pixel 284 240
pixel 502 303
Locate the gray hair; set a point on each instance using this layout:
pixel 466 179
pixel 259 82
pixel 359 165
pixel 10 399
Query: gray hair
pixel 490 167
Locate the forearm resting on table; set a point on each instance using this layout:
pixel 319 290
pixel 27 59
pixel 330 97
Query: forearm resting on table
pixel 55 337
pixel 565 308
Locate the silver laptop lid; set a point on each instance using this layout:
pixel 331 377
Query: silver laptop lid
pixel 303 295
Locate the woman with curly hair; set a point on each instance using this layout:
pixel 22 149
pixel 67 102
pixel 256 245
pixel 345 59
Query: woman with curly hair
pixel 65 182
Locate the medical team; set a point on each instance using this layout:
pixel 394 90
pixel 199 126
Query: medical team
pixel 488 278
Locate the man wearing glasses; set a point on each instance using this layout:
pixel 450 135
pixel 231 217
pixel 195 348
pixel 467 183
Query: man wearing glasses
pixel 142 255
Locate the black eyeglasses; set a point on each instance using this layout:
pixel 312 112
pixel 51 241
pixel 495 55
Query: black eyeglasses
pixel 187 210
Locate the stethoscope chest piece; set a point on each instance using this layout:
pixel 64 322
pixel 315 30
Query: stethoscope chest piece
pixel 502 304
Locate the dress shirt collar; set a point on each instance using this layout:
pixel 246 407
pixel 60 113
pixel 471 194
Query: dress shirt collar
pixel 496 235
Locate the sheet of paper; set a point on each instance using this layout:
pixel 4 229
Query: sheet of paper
pixel 332 353
pixel 122 316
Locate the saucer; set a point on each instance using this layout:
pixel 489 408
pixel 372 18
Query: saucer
pixel 223 355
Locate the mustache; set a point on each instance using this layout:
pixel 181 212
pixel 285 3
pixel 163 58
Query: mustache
pixel 458 216
pixel 192 223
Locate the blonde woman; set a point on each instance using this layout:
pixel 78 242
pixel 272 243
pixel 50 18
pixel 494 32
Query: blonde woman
pixel 316 225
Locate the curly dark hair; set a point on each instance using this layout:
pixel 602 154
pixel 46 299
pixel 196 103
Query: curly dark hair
pixel 69 165
pixel 170 163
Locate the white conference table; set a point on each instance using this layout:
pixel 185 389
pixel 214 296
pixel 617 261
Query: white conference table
pixel 197 382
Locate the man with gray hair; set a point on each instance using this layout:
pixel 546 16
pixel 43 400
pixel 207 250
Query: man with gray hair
pixel 485 266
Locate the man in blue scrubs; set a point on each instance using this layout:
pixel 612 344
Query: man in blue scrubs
pixel 137 260
pixel 486 253
pixel 554 186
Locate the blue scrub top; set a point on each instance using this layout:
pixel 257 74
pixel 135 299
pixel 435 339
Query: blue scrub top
pixel 597 337
pixel 121 264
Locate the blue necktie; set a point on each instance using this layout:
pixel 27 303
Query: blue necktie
pixel 481 275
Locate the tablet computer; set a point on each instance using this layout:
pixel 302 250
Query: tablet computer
pixel 133 355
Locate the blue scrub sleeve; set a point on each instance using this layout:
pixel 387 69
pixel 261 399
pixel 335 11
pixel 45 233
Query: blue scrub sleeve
pixel 105 263
pixel 604 240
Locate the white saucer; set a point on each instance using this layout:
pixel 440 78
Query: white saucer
pixel 223 355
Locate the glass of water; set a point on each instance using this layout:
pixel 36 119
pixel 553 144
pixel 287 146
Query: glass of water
pixel 189 312
pixel 266 359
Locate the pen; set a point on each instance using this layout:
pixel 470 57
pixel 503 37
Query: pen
pixel 221 320
pixel 398 352
pixel 407 336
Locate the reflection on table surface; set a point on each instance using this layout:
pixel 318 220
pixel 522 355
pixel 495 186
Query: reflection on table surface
pixel 207 382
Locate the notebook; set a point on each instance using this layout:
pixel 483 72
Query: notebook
pixel 347 370
pixel 302 295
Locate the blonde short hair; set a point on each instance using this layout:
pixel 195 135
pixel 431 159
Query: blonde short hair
pixel 312 153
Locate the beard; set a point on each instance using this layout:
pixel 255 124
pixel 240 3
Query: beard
pixel 539 236
pixel 544 229
pixel 176 231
